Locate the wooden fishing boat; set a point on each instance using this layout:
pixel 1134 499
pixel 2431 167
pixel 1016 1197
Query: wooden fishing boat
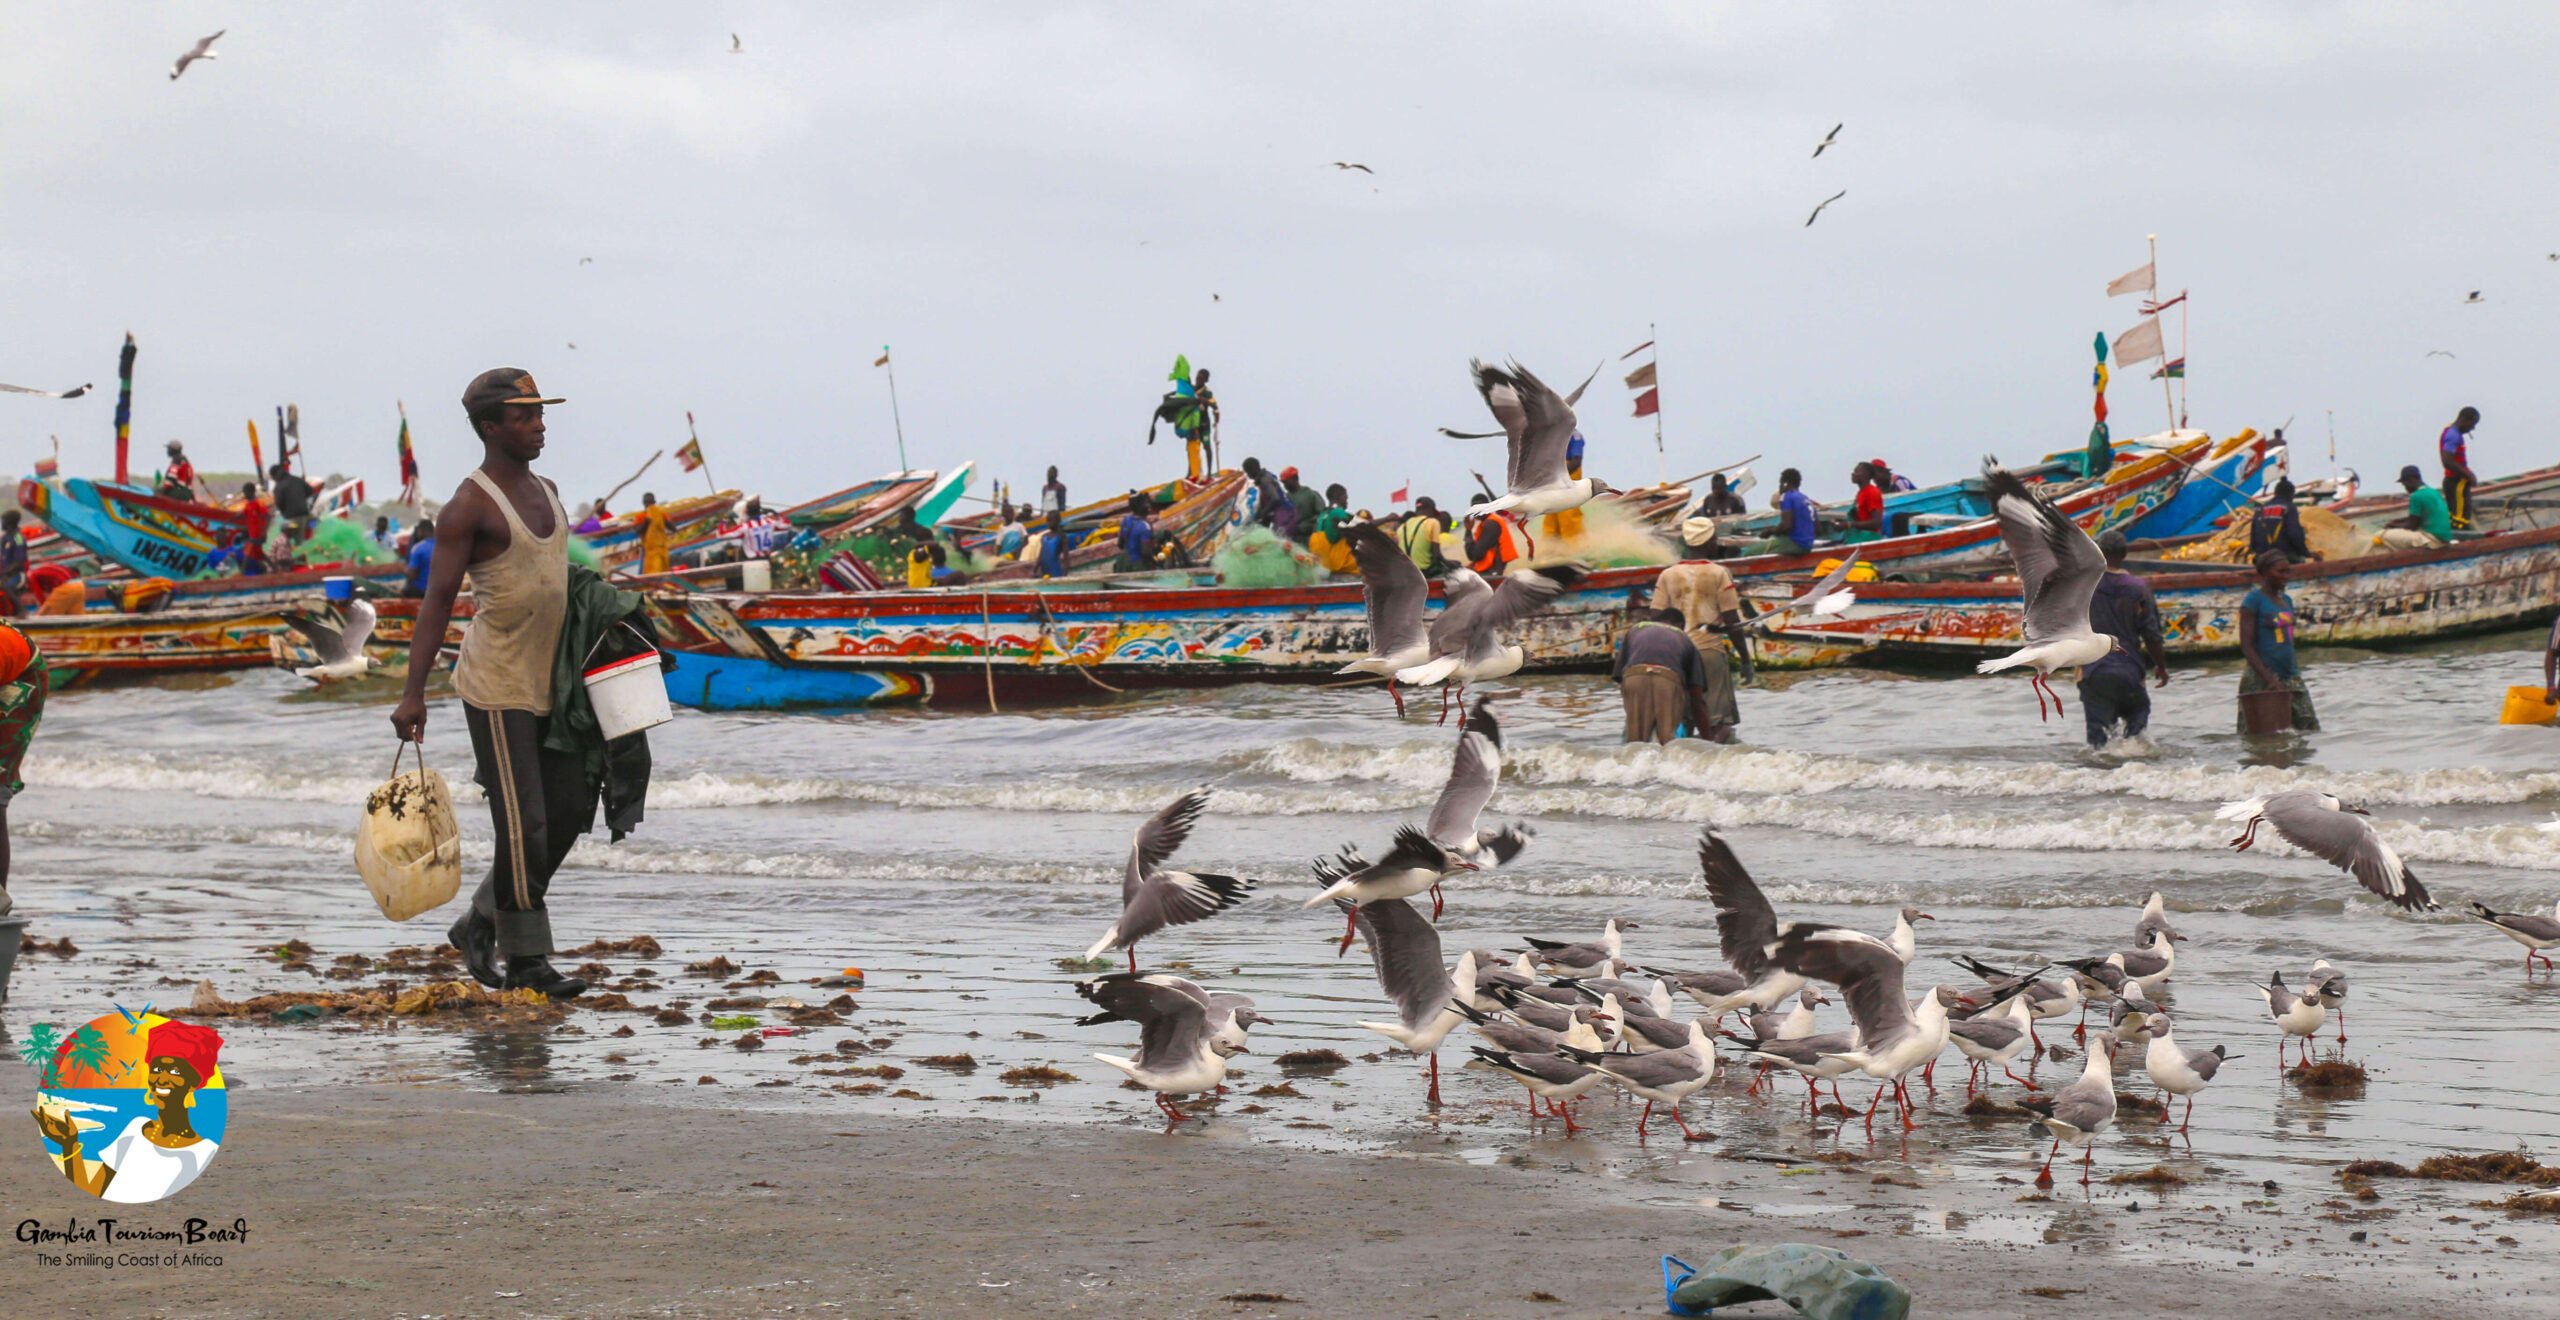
pixel 706 680
pixel 127 526
pixel 1204 514
pixel 2522 500
pixel 618 540
pixel 175 640
pixel 2503 580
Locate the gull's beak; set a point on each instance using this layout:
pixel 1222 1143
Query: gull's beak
pixel 1925 917
pixel 2360 811
pixel 1602 1017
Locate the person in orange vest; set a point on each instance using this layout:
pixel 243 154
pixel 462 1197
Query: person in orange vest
pixel 1493 540
pixel 23 684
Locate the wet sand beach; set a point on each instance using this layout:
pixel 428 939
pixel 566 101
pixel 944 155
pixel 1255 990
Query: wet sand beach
pixel 387 1202
pixel 178 836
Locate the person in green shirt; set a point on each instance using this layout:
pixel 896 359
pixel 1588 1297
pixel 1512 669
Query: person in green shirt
pixel 2429 524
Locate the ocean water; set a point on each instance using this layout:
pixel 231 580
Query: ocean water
pixel 173 832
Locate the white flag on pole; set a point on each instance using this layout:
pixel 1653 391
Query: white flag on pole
pixel 2139 344
pixel 2133 281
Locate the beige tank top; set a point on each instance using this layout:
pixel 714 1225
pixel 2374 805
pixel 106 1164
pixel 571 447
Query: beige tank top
pixel 518 597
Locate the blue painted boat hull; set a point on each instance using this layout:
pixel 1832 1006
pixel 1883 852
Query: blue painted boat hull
pixel 705 681
pixel 2214 490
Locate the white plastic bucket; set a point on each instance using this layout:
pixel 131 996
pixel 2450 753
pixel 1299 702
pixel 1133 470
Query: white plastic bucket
pixel 755 575
pixel 629 695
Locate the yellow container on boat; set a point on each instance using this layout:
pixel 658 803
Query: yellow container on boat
pixel 2528 705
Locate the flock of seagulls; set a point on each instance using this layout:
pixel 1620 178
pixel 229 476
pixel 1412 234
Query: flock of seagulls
pixel 1565 1018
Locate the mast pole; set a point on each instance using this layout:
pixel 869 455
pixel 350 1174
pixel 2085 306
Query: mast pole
pixel 1661 461
pixel 894 419
pixel 2168 400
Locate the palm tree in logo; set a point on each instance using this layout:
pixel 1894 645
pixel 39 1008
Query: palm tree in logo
pixel 89 1049
pixel 38 1052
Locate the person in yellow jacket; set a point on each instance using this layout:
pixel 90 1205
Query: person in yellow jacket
pixel 920 567
pixel 653 535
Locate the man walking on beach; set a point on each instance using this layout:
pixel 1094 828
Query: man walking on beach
pixel 506 527
pixel 2111 690
pixel 2266 643
pixel 2454 448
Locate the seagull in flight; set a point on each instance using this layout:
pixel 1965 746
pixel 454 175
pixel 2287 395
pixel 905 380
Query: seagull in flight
pixel 1825 144
pixel 736 47
pixel 2475 297
pixel 1826 202
pixel 1152 898
pixel 1354 165
pixel 203 51
pixel 2438 352
pixel 72 393
pixel 2335 832
pixel 2058 571
pixel 338 637
pixel 586 261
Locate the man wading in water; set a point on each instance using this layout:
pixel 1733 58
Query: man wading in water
pixel 506 527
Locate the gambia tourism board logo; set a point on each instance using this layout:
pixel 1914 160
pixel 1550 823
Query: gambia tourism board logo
pixel 131 1105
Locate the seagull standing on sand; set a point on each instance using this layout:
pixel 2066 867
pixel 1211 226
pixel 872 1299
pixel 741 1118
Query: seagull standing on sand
pixel 1230 1016
pixel 203 50
pixel 2336 833
pixel 1828 139
pixel 1152 898
pixel 2079 1112
pixel 2328 985
pixel 2296 1015
pixel 2178 1070
pixel 2155 916
pixel 1826 205
pixel 1664 1077
pixel 1178 1051
pixel 1393 591
pixel 1993 1039
pixel 1905 939
pixel 1538 425
pixel 2045 999
pixel 1589 958
pixel 339 637
pixel 1549 1077
pixel 1466 640
pixel 2058 572
pixel 2534 933
pixel 1893 1037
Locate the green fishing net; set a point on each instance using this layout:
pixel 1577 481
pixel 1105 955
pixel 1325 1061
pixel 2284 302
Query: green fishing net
pixel 1256 558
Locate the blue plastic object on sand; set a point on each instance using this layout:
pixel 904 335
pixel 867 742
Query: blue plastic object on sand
pixel 1818 1282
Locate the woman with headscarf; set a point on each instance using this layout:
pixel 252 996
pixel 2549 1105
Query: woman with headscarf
pixel 151 1157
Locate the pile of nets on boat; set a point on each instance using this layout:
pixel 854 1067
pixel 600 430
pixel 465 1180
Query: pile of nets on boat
pixel 1256 558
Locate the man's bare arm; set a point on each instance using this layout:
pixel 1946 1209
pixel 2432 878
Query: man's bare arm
pixel 458 532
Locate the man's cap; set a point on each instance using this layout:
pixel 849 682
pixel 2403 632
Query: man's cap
pixel 501 385
pixel 1697 531
pixel 1288 472
pixel 2411 473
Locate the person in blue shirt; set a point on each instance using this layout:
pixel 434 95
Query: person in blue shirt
pixel 2454 448
pixel 1053 546
pixel 422 555
pixel 2267 627
pixel 1137 536
pixel 1795 519
pixel 2111 692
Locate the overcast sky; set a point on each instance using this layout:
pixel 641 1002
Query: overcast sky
pixel 1035 204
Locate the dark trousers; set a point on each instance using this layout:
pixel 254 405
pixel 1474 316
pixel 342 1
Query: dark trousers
pixel 2109 695
pixel 2457 499
pixel 539 804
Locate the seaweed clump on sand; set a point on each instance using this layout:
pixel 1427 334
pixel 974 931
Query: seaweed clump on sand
pixel 638 946
pixel 1311 1061
pixel 1985 1105
pixel 2494 1166
pixel 949 1062
pixel 1035 1075
pixel 2327 1075
pixel 2157 1175
pixel 2130 1106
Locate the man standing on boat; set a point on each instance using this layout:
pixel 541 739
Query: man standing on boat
pixel 653 534
pixel 2454 448
pixel 507 529
pixel 2111 690
pixel 2266 643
